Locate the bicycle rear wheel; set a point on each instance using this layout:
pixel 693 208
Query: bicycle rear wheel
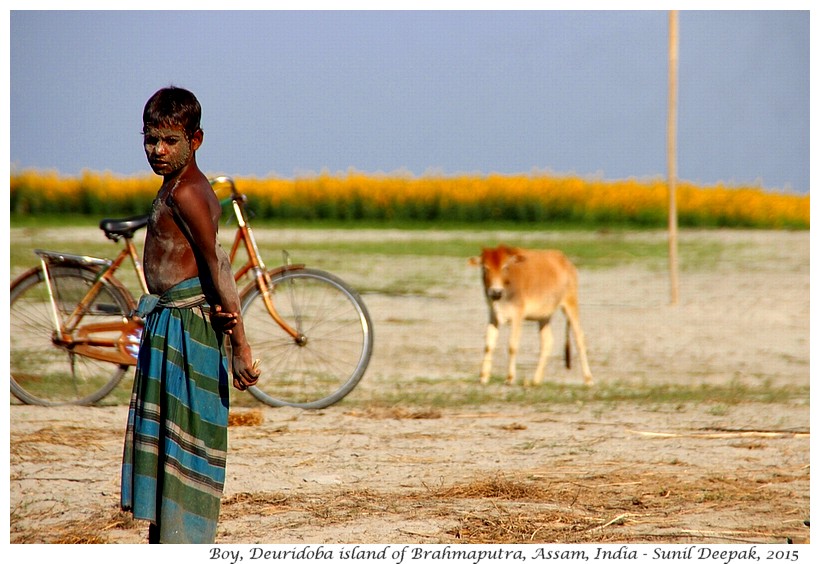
pixel 329 362
pixel 42 372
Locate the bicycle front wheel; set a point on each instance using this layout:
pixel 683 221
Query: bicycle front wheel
pixel 323 366
pixel 45 373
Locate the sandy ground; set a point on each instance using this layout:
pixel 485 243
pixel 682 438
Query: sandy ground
pixel 592 470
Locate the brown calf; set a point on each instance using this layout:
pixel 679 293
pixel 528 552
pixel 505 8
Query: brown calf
pixel 526 284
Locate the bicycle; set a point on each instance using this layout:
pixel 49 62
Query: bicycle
pixel 72 319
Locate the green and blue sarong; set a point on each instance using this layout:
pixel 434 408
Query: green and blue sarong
pixel 176 440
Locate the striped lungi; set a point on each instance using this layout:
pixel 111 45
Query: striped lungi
pixel 176 440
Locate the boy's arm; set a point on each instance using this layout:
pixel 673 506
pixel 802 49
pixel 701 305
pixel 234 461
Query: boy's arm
pixel 193 212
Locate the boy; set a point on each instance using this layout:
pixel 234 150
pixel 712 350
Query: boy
pixel 173 469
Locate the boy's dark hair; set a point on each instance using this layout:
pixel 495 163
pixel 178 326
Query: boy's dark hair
pixel 173 107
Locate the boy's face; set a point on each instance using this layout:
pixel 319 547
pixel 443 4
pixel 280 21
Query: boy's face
pixel 168 149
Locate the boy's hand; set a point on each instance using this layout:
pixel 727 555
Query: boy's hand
pixel 223 321
pixel 245 374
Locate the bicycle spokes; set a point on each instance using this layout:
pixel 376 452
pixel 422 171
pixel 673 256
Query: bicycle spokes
pixel 334 341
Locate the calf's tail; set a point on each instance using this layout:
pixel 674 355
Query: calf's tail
pixel 567 355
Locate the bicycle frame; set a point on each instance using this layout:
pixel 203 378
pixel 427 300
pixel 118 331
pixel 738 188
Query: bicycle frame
pixel 106 274
pixel 88 340
pixel 255 265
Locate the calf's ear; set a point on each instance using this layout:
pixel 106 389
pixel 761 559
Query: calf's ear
pixel 474 261
pixel 515 259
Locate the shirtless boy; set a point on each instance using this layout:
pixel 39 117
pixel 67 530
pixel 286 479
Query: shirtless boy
pixel 175 449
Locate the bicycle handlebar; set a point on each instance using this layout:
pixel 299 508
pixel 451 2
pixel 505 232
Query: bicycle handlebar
pixel 226 180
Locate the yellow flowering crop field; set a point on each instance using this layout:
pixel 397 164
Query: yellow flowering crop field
pixel 375 198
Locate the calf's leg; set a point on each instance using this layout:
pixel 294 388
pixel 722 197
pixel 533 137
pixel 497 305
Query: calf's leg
pixel 571 311
pixel 490 339
pixel 515 339
pixel 545 332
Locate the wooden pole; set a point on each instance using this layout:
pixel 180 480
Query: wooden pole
pixel 671 155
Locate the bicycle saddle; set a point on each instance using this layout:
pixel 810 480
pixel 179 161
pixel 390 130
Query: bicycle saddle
pixel 116 228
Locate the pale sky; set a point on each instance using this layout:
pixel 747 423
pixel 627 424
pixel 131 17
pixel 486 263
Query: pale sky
pixel 295 92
